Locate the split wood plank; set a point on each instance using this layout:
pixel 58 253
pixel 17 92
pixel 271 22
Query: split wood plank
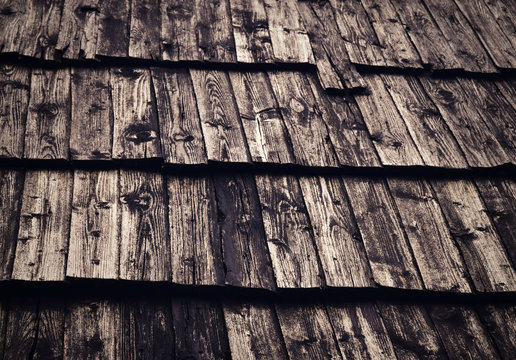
pixel 483 253
pixel 343 257
pixel 500 322
pixel 92 115
pixel 438 259
pixel 199 329
pixel 214 31
pixel 47 134
pixel 486 28
pixel 13 17
pixel 467 47
pixel 307 332
pixel 462 333
pixel 44 226
pixel 387 129
pixel 92 330
pixel 478 144
pixel 51 321
pixel 433 48
pixel 77 37
pixel 179 124
pixel 503 11
pixel 265 131
pixel 145 29
pixel 387 248
pixel 251 32
pixel 347 130
pixel 220 121
pixel 11 186
pixel 94 231
pixel 360 331
pixel 253 331
pixel 178 31
pixel 246 258
pixel 146 329
pixel 308 133
pixel 499 196
pixel 21 328
pixel 334 69
pixel 288 232
pixel 411 331
pixel 425 124
pixel 113 31
pixel 391 34
pixel 14 102
pixel 196 255
pixel 135 129
pixel 144 245
pixel 290 42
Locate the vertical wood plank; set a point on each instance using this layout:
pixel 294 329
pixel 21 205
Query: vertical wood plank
pixel 500 322
pixel 51 321
pixel 145 29
pixel 113 31
pixel 12 22
pixel 21 328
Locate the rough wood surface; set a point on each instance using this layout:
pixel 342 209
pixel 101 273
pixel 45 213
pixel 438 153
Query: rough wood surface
pixel 91 115
pixel 288 232
pixel 336 234
pixel 503 11
pixel 145 29
pixel 44 226
pixel 94 231
pixel 178 31
pixel 194 234
pixel 47 133
pixel 12 20
pixel 135 130
pixel 113 31
pixel 21 328
pixel 144 230
pixel 265 131
pixel 500 321
pixel 51 321
pixel 387 247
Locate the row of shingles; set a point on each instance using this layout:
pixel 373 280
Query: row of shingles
pixel 213 329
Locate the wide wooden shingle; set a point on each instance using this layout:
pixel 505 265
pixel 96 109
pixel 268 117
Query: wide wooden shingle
pixel 144 30
pixel 179 39
pixel 113 31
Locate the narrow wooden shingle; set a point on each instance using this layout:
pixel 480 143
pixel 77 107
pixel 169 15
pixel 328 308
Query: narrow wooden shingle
pixel 145 29
pixel 113 31
pixel 51 322
pixel 500 322
pixel 503 11
pixel 12 21
pixel 21 328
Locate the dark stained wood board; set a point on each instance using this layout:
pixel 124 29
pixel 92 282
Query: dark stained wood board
pixel 500 322
pixel 113 31
pixel 20 328
pixel 144 29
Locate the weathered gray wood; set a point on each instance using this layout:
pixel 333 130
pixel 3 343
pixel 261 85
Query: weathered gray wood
pixel 14 102
pixel 11 186
pixel 180 127
pixel 92 330
pixel 336 234
pixel 288 232
pixel 508 88
pixel 194 233
pixel 113 31
pixel 500 322
pixel 220 121
pixel 251 32
pixel 246 258
pixel 94 231
pixel 44 226
pixel 135 129
pixel 503 11
pixel 475 235
pixel 51 321
pixel 308 133
pixel 253 331
pixel 92 115
pixel 387 129
pixel 47 133
pixel 265 131
pixel 144 244
pixel 387 247
pixel 12 21
pixel 290 42
pixel 21 328
pixel 438 259
pixel 360 331
pixel 145 29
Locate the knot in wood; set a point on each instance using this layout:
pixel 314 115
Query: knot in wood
pixel 140 133
pixel 138 201
pixel 47 110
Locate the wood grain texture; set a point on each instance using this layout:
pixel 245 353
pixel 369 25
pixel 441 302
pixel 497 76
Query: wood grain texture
pixel 94 231
pixel 194 234
pixel 14 102
pixel 220 121
pixel 91 115
pixel 47 133
pixel 12 20
pixel 113 31
pixel 21 328
pixel 475 235
pixel 387 129
pixel 336 234
pixel 179 124
pixel 386 245
pixel 265 131
pixel 308 133
pixel 135 129
pixel 503 11
pixel 288 232
pixel 437 257
pixel 51 321
pixel 145 29
pixel 500 322
pixel 178 31
pixel 144 229
pixel 246 258
pixel 44 226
